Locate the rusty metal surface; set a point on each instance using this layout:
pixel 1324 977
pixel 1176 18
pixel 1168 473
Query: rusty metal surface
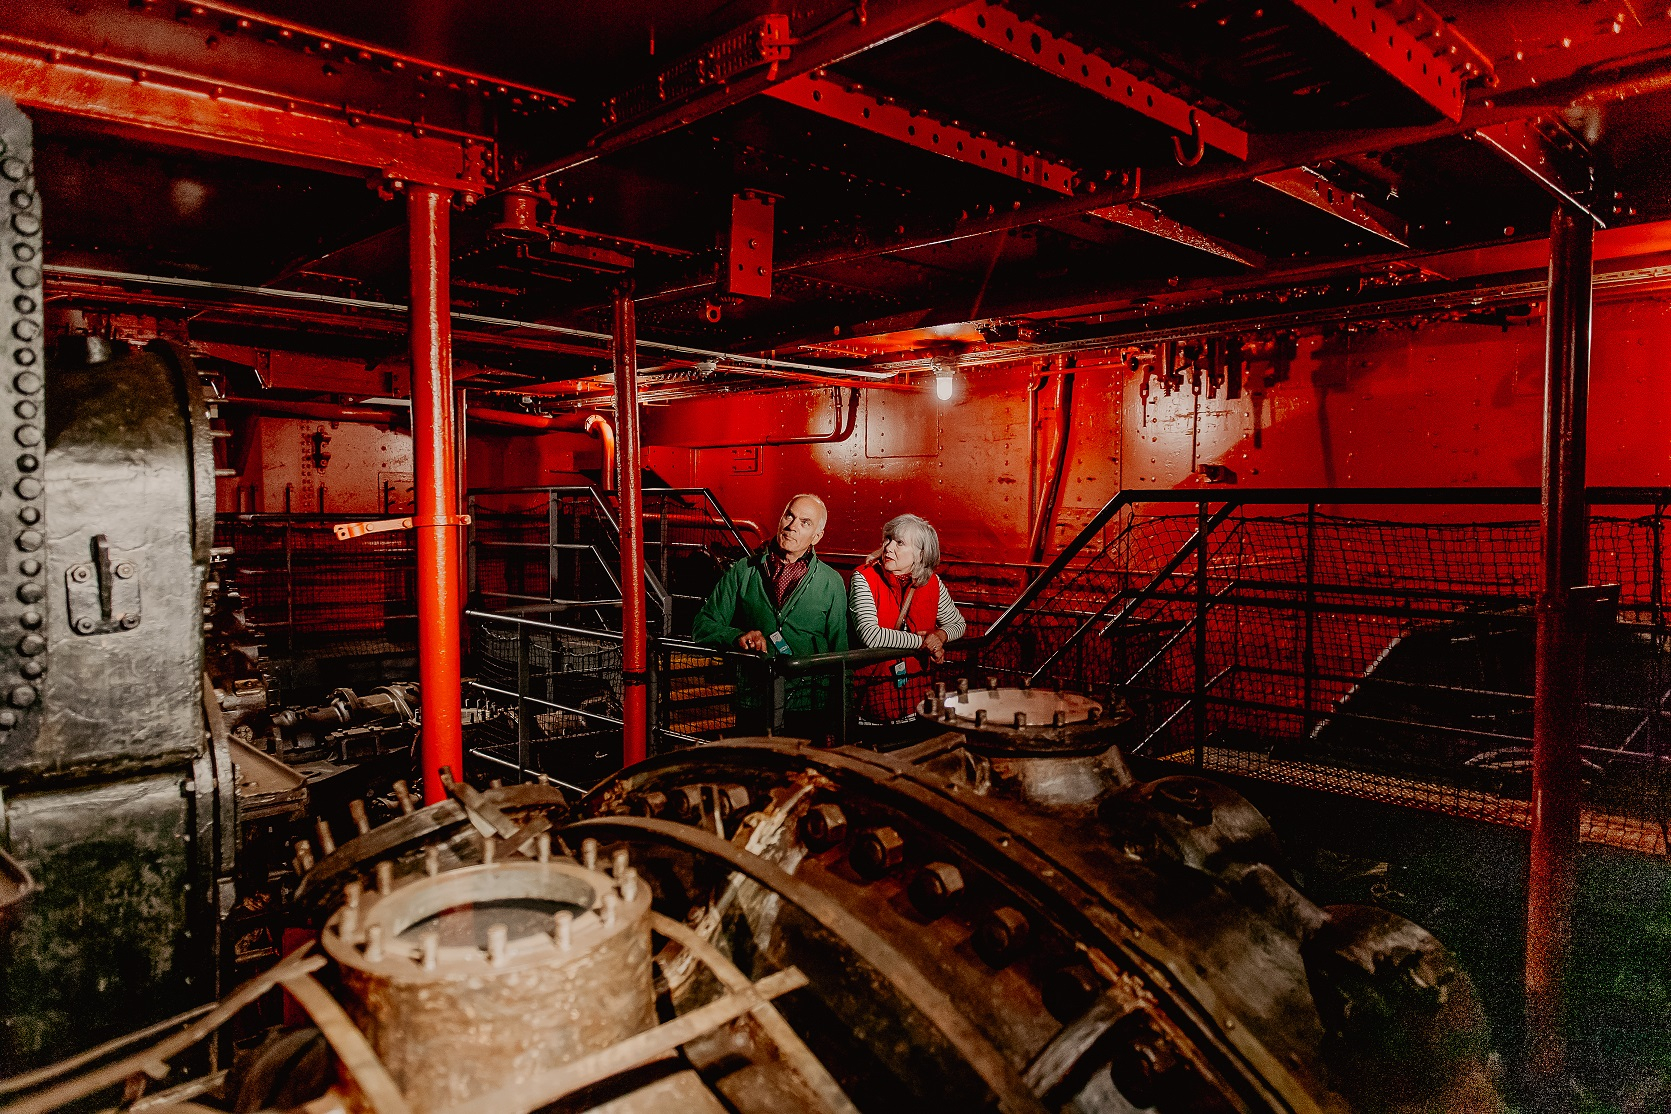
pixel 540 994
pixel 1031 885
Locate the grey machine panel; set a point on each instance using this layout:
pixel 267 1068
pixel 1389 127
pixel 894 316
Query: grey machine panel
pixel 117 797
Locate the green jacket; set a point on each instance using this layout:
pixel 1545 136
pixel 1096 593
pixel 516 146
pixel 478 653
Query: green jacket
pixel 813 620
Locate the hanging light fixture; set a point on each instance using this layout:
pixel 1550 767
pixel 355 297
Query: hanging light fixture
pixel 944 371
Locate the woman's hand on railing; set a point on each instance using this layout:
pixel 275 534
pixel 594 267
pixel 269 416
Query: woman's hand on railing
pixel 934 645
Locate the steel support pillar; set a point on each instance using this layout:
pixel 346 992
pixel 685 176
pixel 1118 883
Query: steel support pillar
pixel 629 484
pixel 1562 622
pixel 436 483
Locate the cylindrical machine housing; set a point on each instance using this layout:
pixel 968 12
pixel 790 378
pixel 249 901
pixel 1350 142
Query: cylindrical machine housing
pixel 482 977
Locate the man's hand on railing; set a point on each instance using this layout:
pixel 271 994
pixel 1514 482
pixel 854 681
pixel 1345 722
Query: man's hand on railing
pixel 754 640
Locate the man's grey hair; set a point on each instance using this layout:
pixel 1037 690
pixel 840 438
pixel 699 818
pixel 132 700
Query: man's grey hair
pixel 914 530
pixel 822 509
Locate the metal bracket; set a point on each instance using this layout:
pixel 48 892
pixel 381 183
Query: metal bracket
pixel 1549 154
pixel 346 530
pixel 103 594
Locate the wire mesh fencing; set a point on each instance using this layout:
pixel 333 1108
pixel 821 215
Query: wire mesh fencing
pixel 301 584
pixel 1369 656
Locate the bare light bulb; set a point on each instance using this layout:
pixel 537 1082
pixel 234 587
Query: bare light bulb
pixel 943 385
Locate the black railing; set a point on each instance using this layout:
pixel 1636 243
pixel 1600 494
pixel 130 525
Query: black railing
pixel 1374 642
pixel 556 551
pixel 1386 657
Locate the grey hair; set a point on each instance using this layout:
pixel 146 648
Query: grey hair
pixel 822 509
pixel 914 530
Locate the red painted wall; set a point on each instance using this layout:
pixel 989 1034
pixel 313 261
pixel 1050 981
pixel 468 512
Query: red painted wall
pixel 1447 404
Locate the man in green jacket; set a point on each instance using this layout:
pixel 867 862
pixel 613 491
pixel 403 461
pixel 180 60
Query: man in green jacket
pixel 782 600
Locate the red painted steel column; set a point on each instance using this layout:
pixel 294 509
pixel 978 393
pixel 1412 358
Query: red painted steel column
pixel 629 483
pixel 1563 616
pixel 436 481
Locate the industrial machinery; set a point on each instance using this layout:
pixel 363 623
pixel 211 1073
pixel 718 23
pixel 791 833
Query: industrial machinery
pixel 1001 917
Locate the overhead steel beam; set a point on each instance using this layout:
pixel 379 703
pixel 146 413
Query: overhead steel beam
pixel 1551 157
pixel 882 116
pixel 188 111
pixel 1146 218
pixel 1408 40
pixel 1307 185
pixel 999 27
pixel 820 34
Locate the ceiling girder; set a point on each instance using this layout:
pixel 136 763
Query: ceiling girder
pixel 1305 184
pixel 1409 41
pixel 1146 218
pixel 1155 222
pixel 814 46
pixel 191 112
pixel 997 26
pixel 885 117
pixel 1550 156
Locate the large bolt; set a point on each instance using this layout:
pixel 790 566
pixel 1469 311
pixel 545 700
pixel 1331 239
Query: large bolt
pixel 611 904
pixel 824 826
pixel 589 853
pixel 686 804
pixel 488 850
pixel 992 684
pixel 385 877
pixel 327 842
pixel 940 693
pixel 374 943
pixel 403 794
pixel 628 881
pixel 934 888
pixel 619 863
pixel 980 717
pixel 357 812
pixel 563 930
pixel 432 861
pixel 876 851
pixel 430 944
pixel 542 847
pixel 1145 1065
pixel 1001 936
pixel 1069 991
pixel 653 803
pixel 733 800
pixel 963 690
pixel 1021 719
pixel 304 856
pixel 1059 718
pixel 498 941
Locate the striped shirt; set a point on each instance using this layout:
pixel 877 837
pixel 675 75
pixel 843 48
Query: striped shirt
pixel 862 606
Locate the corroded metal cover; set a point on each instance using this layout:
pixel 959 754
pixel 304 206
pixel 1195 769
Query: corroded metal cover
pixel 478 978
pixel 1005 720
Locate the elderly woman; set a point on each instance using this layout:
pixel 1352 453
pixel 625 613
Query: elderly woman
pixel 896 601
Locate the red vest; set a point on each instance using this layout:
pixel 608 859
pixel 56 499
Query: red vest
pixel 880 697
